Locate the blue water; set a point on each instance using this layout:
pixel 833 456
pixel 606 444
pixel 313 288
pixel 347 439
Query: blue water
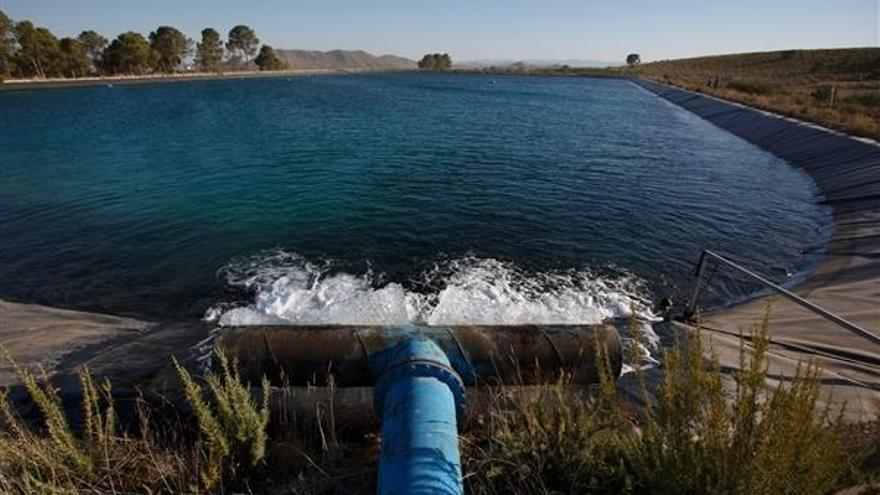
pixel 536 194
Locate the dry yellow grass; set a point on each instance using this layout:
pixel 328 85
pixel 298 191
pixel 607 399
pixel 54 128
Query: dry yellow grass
pixel 839 89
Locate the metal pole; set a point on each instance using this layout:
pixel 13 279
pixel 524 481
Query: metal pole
pixel 799 300
pixel 418 396
pixel 691 309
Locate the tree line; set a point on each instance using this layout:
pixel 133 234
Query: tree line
pixel 29 51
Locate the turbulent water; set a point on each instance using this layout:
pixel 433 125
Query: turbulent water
pixel 467 291
pixel 391 199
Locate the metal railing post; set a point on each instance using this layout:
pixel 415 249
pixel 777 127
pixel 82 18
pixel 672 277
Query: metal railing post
pixel 691 309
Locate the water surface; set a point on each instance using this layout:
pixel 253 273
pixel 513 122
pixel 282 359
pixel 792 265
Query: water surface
pixel 436 198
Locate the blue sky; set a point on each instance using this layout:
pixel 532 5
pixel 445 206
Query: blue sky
pixel 481 29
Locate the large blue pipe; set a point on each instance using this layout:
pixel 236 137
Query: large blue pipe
pixel 418 396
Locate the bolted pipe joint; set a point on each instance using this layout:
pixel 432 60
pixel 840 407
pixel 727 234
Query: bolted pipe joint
pixel 419 396
pixel 415 357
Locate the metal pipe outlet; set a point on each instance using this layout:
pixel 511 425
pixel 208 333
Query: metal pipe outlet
pixel 513 355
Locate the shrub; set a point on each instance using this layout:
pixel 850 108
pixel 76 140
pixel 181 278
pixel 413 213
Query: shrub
pixel 104 460
pixel 234 433
pixel 101 460
pixel 689 440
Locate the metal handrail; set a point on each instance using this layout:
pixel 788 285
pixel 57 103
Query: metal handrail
pixel 701 267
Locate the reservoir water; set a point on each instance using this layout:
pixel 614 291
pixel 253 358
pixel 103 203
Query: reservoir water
pixel 384 198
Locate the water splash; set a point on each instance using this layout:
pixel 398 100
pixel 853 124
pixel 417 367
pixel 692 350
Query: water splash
pixel 288 289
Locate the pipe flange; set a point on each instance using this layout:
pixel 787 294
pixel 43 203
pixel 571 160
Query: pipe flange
pixel 421 368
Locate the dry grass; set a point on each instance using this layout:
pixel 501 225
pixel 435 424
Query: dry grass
pixel 53 459
pixel 839 89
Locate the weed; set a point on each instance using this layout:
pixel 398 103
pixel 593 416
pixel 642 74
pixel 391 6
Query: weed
pixel 234 431
pixel 691 438
pixel 101 460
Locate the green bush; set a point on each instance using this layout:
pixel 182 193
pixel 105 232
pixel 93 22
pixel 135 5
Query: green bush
pixel 234 431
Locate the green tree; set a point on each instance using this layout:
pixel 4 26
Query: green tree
pixel 436 61
pixel 268 59
pixel 7 41
pixel 129 53
pixel 209 52
pixel 75 60
pixel 39 53
pixel 242 43
pixel 428 62
pixel 171 46
pixel 444 62
pixel 94 45
pixel 633 59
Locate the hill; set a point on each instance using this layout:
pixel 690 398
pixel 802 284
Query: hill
pixel 838 88
pixel 531 63
pixel 342 59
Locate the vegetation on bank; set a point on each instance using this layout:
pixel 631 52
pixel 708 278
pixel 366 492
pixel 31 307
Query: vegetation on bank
pixel 692 438
pixel 28 51
pixel 219 452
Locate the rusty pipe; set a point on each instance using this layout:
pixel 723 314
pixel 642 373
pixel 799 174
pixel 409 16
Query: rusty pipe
pixel 484 354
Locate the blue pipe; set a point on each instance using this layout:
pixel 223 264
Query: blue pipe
pixel 419 397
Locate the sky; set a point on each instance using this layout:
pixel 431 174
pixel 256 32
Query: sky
pixel 488 29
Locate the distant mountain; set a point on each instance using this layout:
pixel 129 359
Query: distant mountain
pixel 535 63
pixel 343 59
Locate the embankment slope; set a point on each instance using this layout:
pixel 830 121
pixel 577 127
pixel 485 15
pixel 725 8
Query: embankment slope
pixel 847 280
pixel 133 353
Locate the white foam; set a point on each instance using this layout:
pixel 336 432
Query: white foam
pixel 291 290
pixel 491 292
